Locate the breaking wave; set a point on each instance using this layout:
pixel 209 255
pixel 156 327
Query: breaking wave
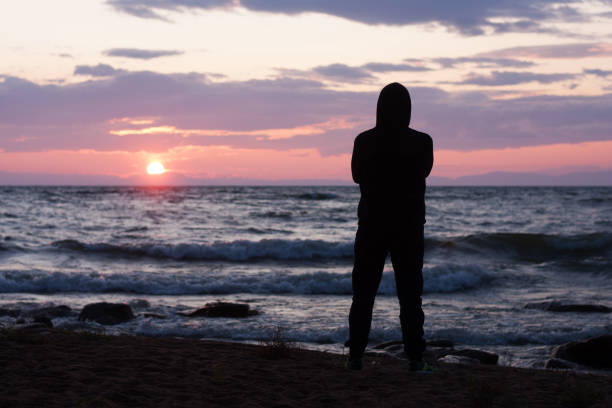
pixel 529 246
pixel 438 279
pixel 240 250
pixel 522 246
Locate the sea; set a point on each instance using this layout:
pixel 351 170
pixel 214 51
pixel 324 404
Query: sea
pixel 491 254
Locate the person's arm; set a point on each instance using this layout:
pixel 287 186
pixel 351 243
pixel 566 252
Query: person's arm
pixel 355 162
pixel 429 158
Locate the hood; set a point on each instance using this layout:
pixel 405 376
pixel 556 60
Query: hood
pixel 394 107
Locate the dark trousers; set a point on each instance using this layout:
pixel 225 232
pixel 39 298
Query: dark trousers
pixel 372 244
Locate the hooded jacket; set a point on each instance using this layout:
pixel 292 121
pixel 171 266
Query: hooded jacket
pixel 390 163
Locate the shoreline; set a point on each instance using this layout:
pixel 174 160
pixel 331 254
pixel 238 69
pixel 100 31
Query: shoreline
pixel 56 368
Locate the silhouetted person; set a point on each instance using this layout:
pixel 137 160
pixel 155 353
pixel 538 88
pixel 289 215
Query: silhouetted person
pixel 390 163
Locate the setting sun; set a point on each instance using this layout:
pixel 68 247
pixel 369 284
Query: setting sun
pixel 155 168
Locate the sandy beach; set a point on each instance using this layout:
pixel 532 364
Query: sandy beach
pixel 60 369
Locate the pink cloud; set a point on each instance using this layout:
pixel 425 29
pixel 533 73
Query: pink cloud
pixel 157 111
pixel 269 134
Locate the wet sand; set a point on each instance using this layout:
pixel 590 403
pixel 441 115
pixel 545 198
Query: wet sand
pixel 62 369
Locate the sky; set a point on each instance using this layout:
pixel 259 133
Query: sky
pixel 278 90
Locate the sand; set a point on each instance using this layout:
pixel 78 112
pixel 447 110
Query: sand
pixel 62 369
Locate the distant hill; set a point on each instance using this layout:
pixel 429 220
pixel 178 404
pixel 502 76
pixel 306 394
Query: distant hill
pixel 600 178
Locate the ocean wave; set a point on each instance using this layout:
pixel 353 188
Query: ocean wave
pixel 284 215
pixel 529 246
pixel 6 246
pixel 261 231
pixel 240 250
pixel 316 196
pixel 521 246
pixel 438 279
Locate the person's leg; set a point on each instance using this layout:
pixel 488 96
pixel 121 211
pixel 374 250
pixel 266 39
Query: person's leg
pixel 370 254
pixel 407 249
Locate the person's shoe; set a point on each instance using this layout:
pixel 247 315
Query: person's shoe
pixel 353 363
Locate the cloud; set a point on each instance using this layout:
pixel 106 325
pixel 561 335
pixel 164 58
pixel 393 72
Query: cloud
pixel 483 62
pixel 150 8
pixel 140 53
pixel 470 18
pixel 361 73
pixel 100 70
pixel 385 67
pixel 80 116
pixel 499 78
pixel 343 73
pixel 598 72
pixel 279 114
pixel 557 51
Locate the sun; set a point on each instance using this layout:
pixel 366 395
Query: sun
pixel 155 168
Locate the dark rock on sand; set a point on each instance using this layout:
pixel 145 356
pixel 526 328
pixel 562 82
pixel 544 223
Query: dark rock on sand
pixel 485 357
pixel 436 349
pixel 568 307
pixel 595 352
pixel 562 364
pixel 107 313
pixel 31 327
pixel 440 343
pixel 222 309
pixel 383 346
pixel 442 350
pixel 452 359
pixel 44 320
pixel 154 315
pixel 430 343
pixel 50 312
pixel 9 312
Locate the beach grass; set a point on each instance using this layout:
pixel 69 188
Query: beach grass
pixel 277 345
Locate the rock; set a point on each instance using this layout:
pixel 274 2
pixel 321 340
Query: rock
pixel 107 313
pixel 568 307
pixel 435 350
pixel 154 315
pixel 31 327
pixel 9 312
pixel 222 309
pixel 435 353
pixel 430 343
pixel 559 363
pixel 50 312
pixel 440 343
pixel 484 357
pixel 383 346
pixel 44 320
pixel 595 352
pixel 395 349
pixel 452 359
